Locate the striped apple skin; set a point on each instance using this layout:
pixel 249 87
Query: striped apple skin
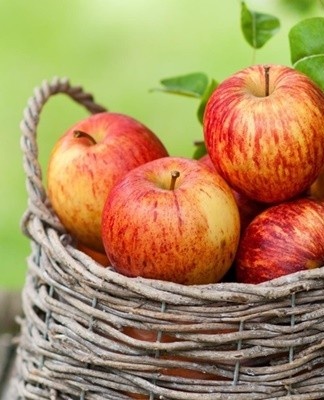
pixel 281 240
pixel 271 148
pixel 188 235
pixel 81 173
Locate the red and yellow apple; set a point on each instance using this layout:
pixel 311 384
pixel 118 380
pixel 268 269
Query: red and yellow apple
pixel 283 239
pixel 171 219
pixel 264 131
pixel 85 164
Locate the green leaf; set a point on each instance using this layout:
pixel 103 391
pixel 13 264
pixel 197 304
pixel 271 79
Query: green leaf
pixel 306 39
pixel 192 85
pixel 209 90
pixel 258 28
pixel 195 85
pixel 313 68
pixel 200 150
pixel 307 48
pixel 299 6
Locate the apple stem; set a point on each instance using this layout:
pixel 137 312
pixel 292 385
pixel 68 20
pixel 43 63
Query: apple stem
pixel 174 176
pixel 81 134
pixel 267 79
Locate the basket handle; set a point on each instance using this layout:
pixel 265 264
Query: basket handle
pixel 37 198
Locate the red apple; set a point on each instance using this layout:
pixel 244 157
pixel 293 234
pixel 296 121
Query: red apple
pixel 180 372
pixel 264 131
pixel 87 161
pixel 206 160
pixel 99 257
pixel 159 225
pixel 248 208
pixel 281 240
pixel 316 190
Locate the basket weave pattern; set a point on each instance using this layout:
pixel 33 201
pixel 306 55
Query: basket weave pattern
pixel 251 341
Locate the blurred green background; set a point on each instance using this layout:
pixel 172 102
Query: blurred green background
pixel 118 50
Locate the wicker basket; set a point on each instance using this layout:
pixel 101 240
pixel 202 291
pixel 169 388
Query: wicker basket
pixel 81 332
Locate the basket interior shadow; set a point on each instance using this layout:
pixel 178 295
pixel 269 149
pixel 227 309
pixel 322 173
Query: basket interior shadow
pixel 91 333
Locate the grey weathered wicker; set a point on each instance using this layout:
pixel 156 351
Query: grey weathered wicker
pixel 251 341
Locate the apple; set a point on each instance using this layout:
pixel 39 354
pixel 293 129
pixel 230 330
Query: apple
pixel 316 190
pixel 85 164
pixel 248 208
pixel 283 239
pixel 100 257
pixel 171 219
pixel 206 160
pixel 264 131
pixel 176 371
